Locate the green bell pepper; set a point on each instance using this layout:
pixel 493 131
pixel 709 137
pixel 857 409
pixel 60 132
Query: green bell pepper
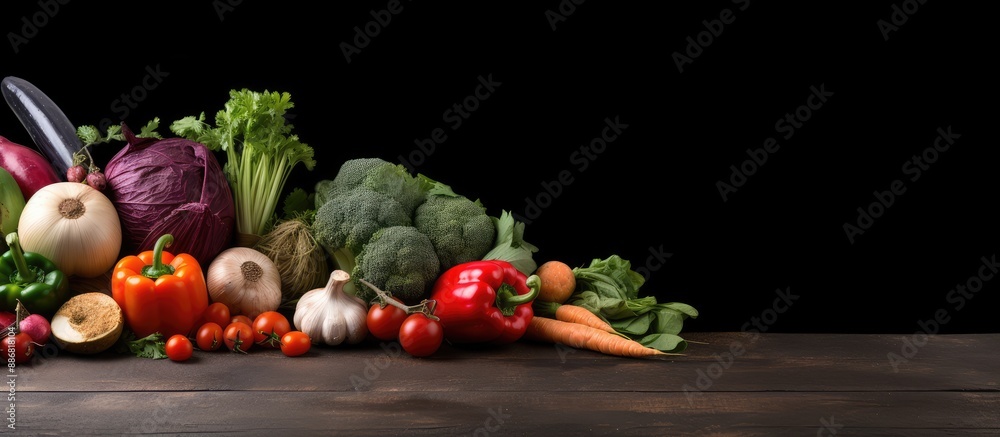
pixel 31 278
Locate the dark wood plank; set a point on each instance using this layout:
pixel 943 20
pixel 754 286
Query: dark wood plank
pixel 770 362
pixel 511 413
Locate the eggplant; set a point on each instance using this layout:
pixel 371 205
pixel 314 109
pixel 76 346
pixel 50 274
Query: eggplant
pixel 47 125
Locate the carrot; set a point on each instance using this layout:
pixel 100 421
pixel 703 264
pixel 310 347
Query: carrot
pixel 572 314
pixel 583 316
pixel 558 282
pixel 544 329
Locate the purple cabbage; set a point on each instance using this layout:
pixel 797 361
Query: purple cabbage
pixel 174 186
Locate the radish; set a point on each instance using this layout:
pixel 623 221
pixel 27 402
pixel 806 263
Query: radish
pixel 37 327
pixel 7 318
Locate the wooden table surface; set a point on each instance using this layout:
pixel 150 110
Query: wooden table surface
pixel 734 384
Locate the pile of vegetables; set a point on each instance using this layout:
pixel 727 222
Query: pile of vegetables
pixel 196 255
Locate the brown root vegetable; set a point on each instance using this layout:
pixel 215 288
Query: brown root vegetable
pixel 558 281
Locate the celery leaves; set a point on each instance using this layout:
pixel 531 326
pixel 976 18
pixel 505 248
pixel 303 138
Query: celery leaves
pixel 261 151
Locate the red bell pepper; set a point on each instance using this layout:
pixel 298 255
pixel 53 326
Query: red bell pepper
pixel 484 302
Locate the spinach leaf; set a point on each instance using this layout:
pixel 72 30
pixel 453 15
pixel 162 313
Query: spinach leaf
pixel 668 321
pixel 664 342
pixel 638 325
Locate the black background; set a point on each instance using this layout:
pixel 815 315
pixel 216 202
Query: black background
pixel 654 187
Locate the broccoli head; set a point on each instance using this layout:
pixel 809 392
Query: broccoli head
pixel 400 260
pixel 344 224
pixel 396 181
pixel 459 228
pixel 352 172
pixel 393 180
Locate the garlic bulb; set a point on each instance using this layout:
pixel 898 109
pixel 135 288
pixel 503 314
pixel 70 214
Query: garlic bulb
pixel 244 279
pixel 331 316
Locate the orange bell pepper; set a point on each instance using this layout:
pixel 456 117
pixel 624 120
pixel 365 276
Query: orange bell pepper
pixel 160 292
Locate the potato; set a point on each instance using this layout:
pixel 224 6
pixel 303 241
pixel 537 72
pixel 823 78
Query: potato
pixel 558 282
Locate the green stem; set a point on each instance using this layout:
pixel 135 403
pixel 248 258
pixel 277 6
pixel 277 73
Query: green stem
pixel 256 187
pixel 277 175
pixel 24 274
pixel 158 268
pixel 534 284
pixel 425 307
pixel 344 259
pixel 508 299
pixel 91 167
pixel 245 210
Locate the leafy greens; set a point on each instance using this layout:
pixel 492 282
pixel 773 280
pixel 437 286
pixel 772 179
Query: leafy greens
pixel 610 289
pixel 261 151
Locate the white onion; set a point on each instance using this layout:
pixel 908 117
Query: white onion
pixel 246 280
pixel 74 226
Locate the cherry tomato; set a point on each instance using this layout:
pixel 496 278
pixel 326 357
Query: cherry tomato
pixel 179 347
pixel 420 335
pixel 240 318
pixel 384 323
pixel 209 337
pixel 295 343
pixel 24 348
pixel 268 328
pixel 218 313
pixel 238 337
